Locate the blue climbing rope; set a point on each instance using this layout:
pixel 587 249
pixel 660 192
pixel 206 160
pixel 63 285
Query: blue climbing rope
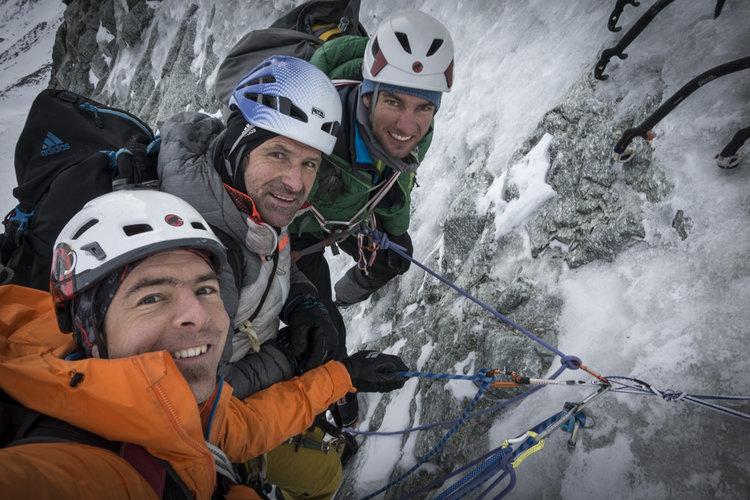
pixel 501 459
pixel 491 409
pixel 629 385
pixel 484 383
pixel 381 239
pixel 436 482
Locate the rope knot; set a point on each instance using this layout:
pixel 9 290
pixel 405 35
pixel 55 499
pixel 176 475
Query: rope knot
pixel 379 238
pixel 570 362
pixel 670 395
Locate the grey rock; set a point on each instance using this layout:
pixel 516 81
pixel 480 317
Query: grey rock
pixel 682 224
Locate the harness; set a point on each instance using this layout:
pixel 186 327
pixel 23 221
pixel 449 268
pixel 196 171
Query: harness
pixel 339 229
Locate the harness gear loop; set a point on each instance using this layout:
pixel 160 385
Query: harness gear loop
pixel 246 327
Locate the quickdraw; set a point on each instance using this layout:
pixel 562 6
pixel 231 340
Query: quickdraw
pixel 519 380
pixel 528 451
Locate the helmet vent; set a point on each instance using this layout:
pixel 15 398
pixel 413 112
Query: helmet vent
pixel 261 80
pixel 436 44
pixel 280 103
pixel 330 128
pixel 95 250
pixel 134 229
pixel 85 228
pixel 375 47
pixel 198 225
pixel 404 41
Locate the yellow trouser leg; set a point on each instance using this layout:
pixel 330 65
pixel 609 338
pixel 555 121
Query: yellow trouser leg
pixel 304 473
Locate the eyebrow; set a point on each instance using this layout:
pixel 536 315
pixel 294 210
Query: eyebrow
pixel 168 280
pixel 388 93
pixel 280 145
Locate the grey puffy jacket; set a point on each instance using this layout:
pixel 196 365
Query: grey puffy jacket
pixel 186 168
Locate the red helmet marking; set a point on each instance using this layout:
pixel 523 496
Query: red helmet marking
pixel 378 64
pixel 63 266
pixel 173 220
pixel 449 75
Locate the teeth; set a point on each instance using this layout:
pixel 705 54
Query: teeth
pixel 190 352
pixel 401 138
pixel 283 199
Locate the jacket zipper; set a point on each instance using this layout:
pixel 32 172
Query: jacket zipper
pixel 174 419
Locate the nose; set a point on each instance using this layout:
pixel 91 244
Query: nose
pixel 407 122
pixel 292 178
pixel 189 312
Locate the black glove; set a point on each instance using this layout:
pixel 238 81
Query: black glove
pixel 396 261
pixel 372 371
pixel 312 336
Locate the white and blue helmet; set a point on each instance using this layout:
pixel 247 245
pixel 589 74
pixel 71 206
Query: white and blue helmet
pixel 290 97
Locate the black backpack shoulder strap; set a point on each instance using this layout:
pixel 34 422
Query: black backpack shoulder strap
pixel 20 425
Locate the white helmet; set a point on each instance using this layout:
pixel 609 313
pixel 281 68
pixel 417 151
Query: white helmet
pixel 290 97
pixel 411 49
pixel 119 228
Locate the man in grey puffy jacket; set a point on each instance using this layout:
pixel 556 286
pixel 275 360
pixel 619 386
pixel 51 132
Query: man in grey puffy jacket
pixel 249 180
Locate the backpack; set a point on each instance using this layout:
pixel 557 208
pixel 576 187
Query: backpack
pixel 297 33
pixel 71 150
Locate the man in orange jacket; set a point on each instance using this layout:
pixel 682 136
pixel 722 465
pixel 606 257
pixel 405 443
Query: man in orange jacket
pixel 134 278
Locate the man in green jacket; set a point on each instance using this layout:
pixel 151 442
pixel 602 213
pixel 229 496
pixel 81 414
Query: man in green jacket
pixel 385 132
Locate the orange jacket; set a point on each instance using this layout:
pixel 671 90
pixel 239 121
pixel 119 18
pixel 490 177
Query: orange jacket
pixel 142 400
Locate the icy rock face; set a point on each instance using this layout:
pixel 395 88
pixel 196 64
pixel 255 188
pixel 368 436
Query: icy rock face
pixel 94 32
pixel 597 210
pixel 78 54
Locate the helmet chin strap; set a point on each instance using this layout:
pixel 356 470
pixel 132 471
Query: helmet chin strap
pixel 374 102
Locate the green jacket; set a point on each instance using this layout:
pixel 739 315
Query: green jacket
pixel 349 176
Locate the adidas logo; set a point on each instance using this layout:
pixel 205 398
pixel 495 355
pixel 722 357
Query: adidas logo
pixel 53 144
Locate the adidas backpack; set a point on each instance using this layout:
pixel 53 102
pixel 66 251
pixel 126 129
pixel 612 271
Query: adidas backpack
pixel 71 150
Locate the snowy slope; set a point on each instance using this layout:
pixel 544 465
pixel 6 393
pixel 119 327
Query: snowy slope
pixel 28 31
